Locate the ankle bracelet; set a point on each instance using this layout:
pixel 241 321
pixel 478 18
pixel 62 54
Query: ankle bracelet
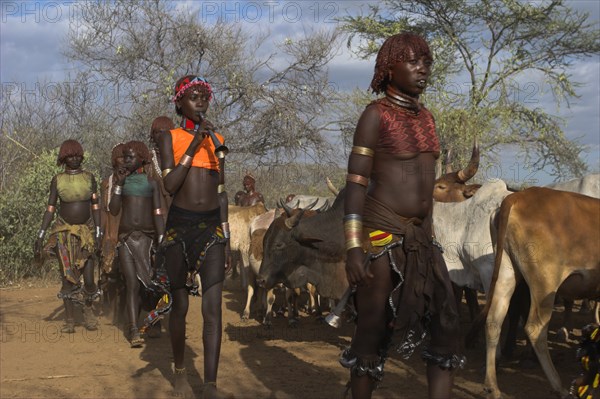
pixel 179 371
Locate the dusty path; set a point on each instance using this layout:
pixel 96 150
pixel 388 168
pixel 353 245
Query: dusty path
pixel 36 361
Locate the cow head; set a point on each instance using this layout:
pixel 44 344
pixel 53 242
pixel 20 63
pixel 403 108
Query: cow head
pixel 452 187
pixel 297 242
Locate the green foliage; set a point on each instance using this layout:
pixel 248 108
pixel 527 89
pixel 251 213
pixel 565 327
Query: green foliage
pixel 22 206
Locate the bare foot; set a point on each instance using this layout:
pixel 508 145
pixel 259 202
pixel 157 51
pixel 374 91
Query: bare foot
pixel 209 391
pixel 183 389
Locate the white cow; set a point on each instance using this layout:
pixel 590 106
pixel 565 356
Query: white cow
pixel 463 230
pixel 588 185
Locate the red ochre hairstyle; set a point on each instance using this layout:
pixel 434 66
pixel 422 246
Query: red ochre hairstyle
pixel 141 149
pixel 69 148
pixel 117 152
pixel 162 123
pixel 396 49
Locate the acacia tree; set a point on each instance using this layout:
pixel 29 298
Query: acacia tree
pixel 268 110
pixel 494 46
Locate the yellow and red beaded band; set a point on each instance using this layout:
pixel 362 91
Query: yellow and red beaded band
pixel 380 238
pixel 95 207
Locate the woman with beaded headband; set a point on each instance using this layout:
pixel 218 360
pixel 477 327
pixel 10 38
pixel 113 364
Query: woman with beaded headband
pixel 402 288
pixel 137 198
pixel 197 236
pixel 75 234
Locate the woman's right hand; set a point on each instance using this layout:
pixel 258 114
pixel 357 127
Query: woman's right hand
pixel 121 175
pixel 202 131
pixel 356 272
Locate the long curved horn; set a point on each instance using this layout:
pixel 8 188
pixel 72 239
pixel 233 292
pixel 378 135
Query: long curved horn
pixel 291 222
pixel 448 161
pixel 468 172
pixel 312 205
pixel 287 209
pixel 324 207
pixel 331 187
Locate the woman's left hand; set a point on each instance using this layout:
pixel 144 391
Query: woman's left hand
pixel 228 262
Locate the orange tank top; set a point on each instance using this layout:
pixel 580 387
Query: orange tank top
pixel 205 154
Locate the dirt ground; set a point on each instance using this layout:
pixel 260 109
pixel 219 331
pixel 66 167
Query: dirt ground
pixel 37 361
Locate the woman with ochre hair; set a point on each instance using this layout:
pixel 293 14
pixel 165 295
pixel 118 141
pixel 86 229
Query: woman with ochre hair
pixel 402 288
pixel 160 126
pixel 137 198
pixel 197 236
pixel 75 234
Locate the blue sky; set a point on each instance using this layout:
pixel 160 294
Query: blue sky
pixel 32 34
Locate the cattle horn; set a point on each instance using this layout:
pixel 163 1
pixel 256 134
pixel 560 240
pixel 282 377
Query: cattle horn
pixel 331 187
pixel 448 161
pixel 468 172
pixel 287 209
pixel 312 205
pixel 292 221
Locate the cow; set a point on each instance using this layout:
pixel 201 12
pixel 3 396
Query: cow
pixel 258 228
pixel 587 185
pixel 302 201
pixel 548 238
pixel 239 225
pixel 463 230
pixel 299 250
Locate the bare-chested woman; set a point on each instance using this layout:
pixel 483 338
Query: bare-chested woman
pixel 197 228
pixel 75 234
pixel 402 286
pixel 137 197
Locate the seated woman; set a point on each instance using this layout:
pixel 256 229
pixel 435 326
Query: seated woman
pixel 72 237
pixel 137 197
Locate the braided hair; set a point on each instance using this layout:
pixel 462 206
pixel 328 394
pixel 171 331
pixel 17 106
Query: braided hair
pixel 396 49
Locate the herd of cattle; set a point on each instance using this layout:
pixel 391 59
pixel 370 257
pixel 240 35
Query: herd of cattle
pixel 494 239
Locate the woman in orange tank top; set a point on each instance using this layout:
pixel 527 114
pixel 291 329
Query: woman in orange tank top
pixel 197 231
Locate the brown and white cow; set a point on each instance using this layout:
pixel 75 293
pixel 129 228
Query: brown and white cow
pixel 550 239
pixel 239 224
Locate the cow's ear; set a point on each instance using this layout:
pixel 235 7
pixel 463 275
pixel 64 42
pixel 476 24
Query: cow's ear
pixel 470 190
pixel 304 239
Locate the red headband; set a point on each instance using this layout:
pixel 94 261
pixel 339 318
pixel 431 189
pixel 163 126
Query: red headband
pixel 187 83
